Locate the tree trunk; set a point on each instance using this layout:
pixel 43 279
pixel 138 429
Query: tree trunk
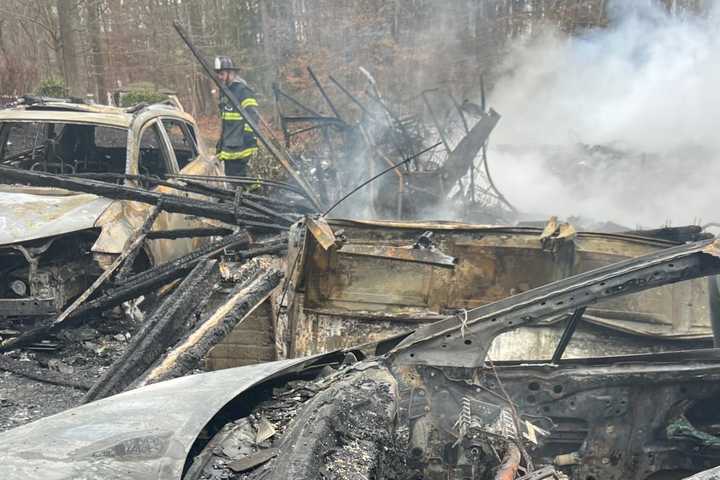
pixel 201 87
pixel 67 12
pixel 97 50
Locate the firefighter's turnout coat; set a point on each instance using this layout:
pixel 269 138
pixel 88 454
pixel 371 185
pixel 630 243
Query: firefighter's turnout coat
pixel 237 140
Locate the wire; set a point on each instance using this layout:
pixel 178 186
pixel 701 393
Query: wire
pixel 400 164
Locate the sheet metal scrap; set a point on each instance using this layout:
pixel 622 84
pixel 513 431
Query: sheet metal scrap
pixel 337 301
pixel 468 336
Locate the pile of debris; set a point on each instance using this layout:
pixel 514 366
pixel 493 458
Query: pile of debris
pixel 189 304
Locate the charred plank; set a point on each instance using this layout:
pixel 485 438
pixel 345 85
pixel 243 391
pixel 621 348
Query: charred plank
pixel 187 233
pixel 170 203
pixel 160 331
pixel 190 351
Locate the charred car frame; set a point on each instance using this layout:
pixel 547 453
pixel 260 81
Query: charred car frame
pixel 53 242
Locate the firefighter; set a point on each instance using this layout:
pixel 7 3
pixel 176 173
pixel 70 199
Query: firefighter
pixel 237 143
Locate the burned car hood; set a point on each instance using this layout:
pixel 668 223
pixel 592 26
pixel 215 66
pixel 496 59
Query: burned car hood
pixel 139 434
pixel 32 213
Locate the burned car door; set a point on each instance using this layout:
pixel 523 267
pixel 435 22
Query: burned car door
pixel 153 154
pixel 182 139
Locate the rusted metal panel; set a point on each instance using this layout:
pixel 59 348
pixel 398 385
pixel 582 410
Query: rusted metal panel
pixel 325 332
pixel 377 275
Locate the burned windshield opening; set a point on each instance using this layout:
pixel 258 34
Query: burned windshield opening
pixel 64 148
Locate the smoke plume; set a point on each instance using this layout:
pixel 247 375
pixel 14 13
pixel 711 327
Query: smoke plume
pixel 618 124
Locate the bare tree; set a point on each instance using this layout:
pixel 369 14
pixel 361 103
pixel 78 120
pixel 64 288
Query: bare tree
pixel 97 48
pixel 67 13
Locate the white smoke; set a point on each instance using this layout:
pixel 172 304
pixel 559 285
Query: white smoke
pixel 645 92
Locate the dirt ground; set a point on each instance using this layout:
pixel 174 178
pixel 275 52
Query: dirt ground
pixel 80 356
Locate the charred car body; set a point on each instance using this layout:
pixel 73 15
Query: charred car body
pixel 424 404
pixel 54 242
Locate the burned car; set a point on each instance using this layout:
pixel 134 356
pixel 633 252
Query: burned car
pixel 427 403
pixel 54 242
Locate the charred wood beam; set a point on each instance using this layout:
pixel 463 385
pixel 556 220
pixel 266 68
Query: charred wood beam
pixel 150 280
pixel 159 332
pixel 180 266
pixel 186 186
pixel 242 181
pixel 201 188
pixel 29 370
pixel 190 351
pixel 191 186
pixel 275 206
pixel 171 203
pixel 263 210
pixel 187 233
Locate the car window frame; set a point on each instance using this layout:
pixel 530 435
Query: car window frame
pixel 165 147
pixel 6 127
pixel 188 131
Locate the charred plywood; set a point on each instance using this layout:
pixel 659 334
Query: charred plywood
pixel 379 280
